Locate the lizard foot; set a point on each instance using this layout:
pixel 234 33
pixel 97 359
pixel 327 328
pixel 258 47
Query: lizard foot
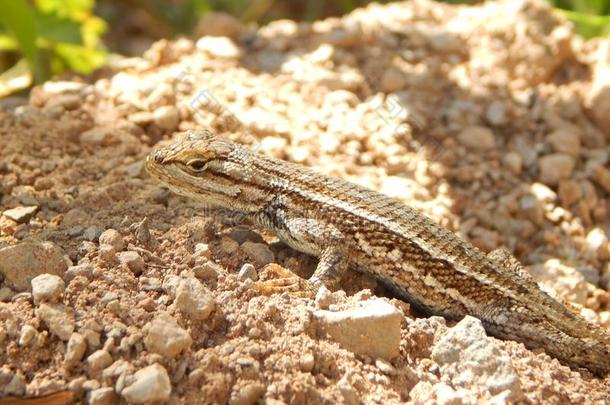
pixel 287 282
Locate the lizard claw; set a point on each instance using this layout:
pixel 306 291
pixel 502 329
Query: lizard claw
pixel 287 282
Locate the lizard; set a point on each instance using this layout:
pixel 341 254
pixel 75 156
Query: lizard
pixel 349 227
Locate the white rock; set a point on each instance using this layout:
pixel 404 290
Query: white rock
pixel 555 167
pixel 561 280
pixel 102 396
pixel 372 328
pixel 58 318
pixel 167 117
pixel 47 288
pixel 477 138
pixel 85 270
pixel 248 394
pixel 150 384
pixel 113 238
pixel 165 337
pixel 98 360
pixel 133 261
pixel 22 262
pixel 194 299
pixel 323 298
pixel 543 193
pixel 21 214
pixel 598 99
pixel 258 252
pixel 221 47
pixel 472 360
pixel 247 272
pixel 28 334
pixel 75 350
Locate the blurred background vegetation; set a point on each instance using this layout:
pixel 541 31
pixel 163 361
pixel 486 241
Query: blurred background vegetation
pixel 42 38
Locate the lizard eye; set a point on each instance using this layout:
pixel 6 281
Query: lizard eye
pixel 197 165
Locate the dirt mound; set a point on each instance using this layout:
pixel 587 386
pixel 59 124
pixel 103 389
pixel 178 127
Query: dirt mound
pixel 493 120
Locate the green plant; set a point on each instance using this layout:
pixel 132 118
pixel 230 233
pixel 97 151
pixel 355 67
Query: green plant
pixel 51 35
pixel 590 17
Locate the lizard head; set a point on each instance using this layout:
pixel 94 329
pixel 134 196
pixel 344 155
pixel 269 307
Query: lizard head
pixel 202 166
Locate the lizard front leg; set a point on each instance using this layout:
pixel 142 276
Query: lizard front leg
pixel 313 237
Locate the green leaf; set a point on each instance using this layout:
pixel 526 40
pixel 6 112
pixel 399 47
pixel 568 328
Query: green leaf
pixel 80 59
pixel 72 9
pixel 18 17
pixel 8 43
pixel 588 26
pixel 56 29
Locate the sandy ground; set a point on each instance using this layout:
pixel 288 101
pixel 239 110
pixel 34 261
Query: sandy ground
pixel 494 120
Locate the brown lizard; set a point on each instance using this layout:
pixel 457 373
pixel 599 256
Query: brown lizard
pixel 350 227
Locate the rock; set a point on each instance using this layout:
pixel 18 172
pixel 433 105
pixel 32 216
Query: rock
pixel 165 337
pixel 372 328
pixel 247 395
pixel 28 334
pixel 569 192
pixel 47 288
pixel 194 299
pixel 563 280
pixel 133 261
pixel 113 238
pixel 75 350
pixel 465 354
pixel 16 386
pixel 601 175
pixel 258 253
pixel 565 141
pixel 441 393
pixel 393 80
pixel 555 167
pixel 598 99
pixel 323 298
pixel 150 384
pixel 218 24
pixel 21 215
pixel 84 270
pixel 6 294
pixel 597 242
pixel 96 137
pixel 166 117
pixel 496 113
pixel 107 255
pixel 75 217
pixel 22 262
pixel 543 193
pixel 220 47
pixel 102 396
pixel 58 318
pixel 92 233
pixel 247 272
pixel 477 138
pixel 98 360
pixel 514 163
